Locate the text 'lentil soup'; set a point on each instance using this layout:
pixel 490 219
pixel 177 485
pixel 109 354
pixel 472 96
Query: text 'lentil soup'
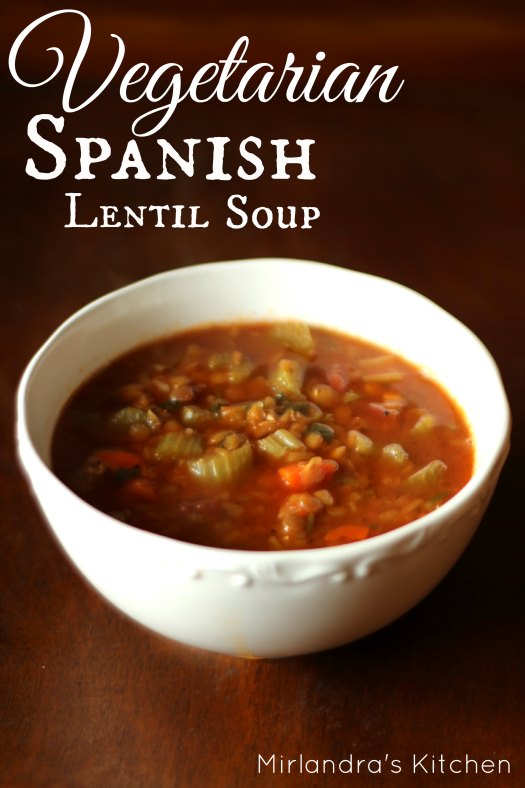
pixel 263 437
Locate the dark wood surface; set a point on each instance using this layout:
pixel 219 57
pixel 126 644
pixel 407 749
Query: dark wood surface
pixel 428 190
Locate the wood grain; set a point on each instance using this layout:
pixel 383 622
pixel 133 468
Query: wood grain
pixel 428 190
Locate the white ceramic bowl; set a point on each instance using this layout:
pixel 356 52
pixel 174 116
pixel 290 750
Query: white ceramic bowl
pixel 264 604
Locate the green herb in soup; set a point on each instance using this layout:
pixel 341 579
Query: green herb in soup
pixel 263 437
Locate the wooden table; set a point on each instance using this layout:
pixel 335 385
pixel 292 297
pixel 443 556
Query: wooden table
pixel 427 190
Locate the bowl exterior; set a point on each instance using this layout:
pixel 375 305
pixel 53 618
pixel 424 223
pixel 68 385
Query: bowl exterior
pixel 252 604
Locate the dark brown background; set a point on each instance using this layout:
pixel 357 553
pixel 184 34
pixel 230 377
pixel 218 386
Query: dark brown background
pixel 428 190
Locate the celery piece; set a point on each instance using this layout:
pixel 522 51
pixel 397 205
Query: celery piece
pixel 288 439
pixel 219 360
pixel 423 425
pixel 287 378
pixel 384 377
pixel 436 500
pixel 279 443
pixel 178 445
pixel 360 442
pixel 221 466
pixel 125 417
pixel 237 366
pixel 350 396
pixel 376 361
pixel 427 476
pixel 294 336
pixel 395 452
pixel 304 408
pixel 272 447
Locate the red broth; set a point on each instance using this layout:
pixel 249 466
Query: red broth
pixel 263 437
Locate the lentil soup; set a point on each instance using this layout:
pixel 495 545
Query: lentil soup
pixel 263 436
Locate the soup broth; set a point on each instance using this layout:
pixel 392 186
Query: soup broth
pixel 268 436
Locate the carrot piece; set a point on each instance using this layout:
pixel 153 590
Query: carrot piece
pixel 308 474
pixel 291 476
pixel 346 533
pixel 118 458
pixel 140 489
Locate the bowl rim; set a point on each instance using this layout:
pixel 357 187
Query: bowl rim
pixel 450 510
